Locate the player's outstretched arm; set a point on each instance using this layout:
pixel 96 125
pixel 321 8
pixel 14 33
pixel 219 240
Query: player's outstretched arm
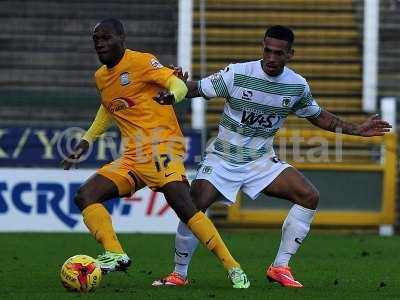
pixel 175 88
pixel 175 92
pixel 192 86
pixel 170 97
pixel 100 124
pixel 373 126
pixel 193 90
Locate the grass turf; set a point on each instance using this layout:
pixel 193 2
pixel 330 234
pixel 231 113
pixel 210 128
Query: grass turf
pixel 331 266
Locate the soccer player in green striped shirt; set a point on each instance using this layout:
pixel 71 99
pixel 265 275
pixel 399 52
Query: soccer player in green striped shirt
pixel 259 96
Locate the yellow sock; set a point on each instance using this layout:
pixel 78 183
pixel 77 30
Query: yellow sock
pixel 205 231
pixel 98 220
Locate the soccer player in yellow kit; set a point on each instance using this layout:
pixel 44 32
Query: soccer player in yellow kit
pixel 154 148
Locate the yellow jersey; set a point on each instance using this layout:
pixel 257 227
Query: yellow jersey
pixel 127 92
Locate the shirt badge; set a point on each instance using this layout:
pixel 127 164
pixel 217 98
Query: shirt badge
pixel 124 78
pixel 286 101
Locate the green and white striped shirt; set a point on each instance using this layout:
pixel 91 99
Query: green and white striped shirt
pixel 256 106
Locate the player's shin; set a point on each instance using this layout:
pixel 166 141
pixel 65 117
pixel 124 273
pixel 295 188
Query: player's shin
pixel 99 223
pixel 294 231
pixel 205 231
pixel 185 245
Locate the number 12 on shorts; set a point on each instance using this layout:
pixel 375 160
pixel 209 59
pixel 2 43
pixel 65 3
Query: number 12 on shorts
pixel 161 162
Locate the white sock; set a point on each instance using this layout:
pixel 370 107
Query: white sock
pixel 185 245
pixel 294 231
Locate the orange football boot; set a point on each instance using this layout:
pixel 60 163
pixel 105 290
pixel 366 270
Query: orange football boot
pixel 283 276
pixel 173 279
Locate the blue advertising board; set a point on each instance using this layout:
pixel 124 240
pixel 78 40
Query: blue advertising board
pixel 41 146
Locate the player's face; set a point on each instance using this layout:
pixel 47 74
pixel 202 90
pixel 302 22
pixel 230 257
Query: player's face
pixel 108 44
pixel 276 54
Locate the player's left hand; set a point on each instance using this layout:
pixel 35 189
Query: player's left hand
pixel 73 158
pixel 374 126
pixel 164 98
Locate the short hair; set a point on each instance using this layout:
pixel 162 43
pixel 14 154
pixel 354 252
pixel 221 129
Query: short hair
pixel 281 33
pixel 115 23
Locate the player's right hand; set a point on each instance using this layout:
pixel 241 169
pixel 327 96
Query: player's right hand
pixel 179 73
pixel 164 98
pixel 73 158
pixel 373 126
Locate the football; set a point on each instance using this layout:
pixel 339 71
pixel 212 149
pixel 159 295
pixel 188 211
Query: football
pixel 80 273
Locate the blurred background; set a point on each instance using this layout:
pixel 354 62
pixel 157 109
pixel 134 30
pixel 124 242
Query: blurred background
pixel 348 50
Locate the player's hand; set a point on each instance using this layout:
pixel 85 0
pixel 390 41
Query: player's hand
pixel 165 98
pixel 73 158
pixel 179 73
pixel 374 126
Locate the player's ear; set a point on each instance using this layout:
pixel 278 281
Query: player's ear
pixel 122 39
pixel 262 47
pixel 290 54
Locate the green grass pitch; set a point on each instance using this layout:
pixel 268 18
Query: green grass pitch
pixel 331 266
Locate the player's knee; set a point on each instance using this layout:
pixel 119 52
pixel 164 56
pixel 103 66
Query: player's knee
pixel 200 205
pixel 180 201
pixel 310 199
pixel 82 198
pixel 198 200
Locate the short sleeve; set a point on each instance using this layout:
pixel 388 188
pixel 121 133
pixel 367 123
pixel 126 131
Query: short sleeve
pixel 306 106
pixel 154 71
pixel 218 84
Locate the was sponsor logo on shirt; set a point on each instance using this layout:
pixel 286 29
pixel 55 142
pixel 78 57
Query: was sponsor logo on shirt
pixel 254 119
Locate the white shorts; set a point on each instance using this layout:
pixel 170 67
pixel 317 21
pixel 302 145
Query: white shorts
pixel 229 178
